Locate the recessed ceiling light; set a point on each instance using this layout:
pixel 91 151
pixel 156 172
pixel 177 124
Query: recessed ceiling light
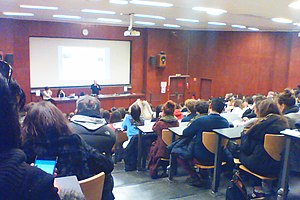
pixel 172 25
pixel 98 11
pixel 295 5
pixel 151 3
pixel 39 7
pixel 118 2
pixel 109 20
pixel 210 11
pixel 18 14
pixel 144 23
pixel 282 20
pixel 253 29
pixel 238 26
pixel 149 16
pixel 216 23
pixel 67 16
pixel 187 20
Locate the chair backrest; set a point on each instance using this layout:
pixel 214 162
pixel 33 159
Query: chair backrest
pixel 167 136
pixel 274 145
pixel 209 140
pixel 92 187
pixel 121 136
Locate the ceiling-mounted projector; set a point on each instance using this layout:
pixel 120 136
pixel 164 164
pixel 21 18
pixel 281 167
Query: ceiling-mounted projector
pixel 130 31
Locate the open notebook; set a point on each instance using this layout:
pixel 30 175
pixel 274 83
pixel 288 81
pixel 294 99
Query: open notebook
pixel 68 185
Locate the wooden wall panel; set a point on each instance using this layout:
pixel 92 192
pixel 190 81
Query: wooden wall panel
pixel 238 62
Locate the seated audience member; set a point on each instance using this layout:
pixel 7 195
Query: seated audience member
pixel 91 127
pixel 237 107
pixel 287 105
pixel 250 113
pixel 202 108
pixel 177 112
pixel 106 115
pixel 18 180
pixel 199 153
pixel 47 93
pixel 159 148
pixel 122 110
pixel 60 93
pixel 253 156
pixel 158 110
pixel 146 110
pixel 130 123
pixel 46 134
pixel 247 103
pixel 191 106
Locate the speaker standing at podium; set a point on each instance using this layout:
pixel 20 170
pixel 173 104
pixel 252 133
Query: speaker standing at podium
pixel 95 88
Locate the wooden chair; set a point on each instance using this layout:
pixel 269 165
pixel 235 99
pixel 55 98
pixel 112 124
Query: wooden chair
pixel 167 138
pixel 209 140
pixel 121 137
pixel 92 187
pixel 274 145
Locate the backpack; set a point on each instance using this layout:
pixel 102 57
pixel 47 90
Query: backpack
pixel 237 190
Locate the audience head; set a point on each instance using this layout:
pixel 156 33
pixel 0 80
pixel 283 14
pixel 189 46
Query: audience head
pixel 266 107
pixel 217 105
pixel 122 111
pixel 286 99
pixel 115 117
pixel 88 105
pixel 106 115
pixel 202 107
pixel 238 103
pixel 46 88
pixel 169 107
pixel 191 105
pixel 135 112
pixel 158 110
pixel 45 120
pixel 248 101
pixel 9 122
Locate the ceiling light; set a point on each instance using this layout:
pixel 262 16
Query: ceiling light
pixel 39 7
pixel 295 5
pixel 149 16
pixel 144 23
pixel 67 16
pixel 238 26
pixel 210 11
pixel 18 14
pixel 118 2
pixel 282 20
pixel 253 29
pixel 98 11
pixel 187 20
pixel 216 23
pixel 296 24
pixel 172 25
pixel 109 20
pixel 151 3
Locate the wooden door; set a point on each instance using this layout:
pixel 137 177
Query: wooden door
pixel 177 89
pixel 205 88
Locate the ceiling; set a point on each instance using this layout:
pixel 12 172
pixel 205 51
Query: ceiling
pixel 250 13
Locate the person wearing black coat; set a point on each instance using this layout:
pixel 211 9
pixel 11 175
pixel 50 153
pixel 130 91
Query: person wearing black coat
pixel 18 180
pixel 253 155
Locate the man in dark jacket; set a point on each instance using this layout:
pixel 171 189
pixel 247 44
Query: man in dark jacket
pixel 205 123
pixel 91 127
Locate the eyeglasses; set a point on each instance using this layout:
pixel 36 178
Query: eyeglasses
pixel 6 70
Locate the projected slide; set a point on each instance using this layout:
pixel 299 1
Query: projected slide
pixel 72 61
pixel 61 62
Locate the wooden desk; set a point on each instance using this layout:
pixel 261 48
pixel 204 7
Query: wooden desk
pixel 147 128
pixel 231 134
pixel 291 135
pixel 67 105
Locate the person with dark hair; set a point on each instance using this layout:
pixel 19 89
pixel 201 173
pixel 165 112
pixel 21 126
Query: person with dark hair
pixel 191 106
pixel 106 115
pixel 287 102
pixel 158 110
pixel 202 107
pixel 91 127
pixel 130 123
pixel 253 156
pixel 46 134
pixel 47 93
pixel 115 117
pixel 250 113
pixel 60 93
pixel 122 110
pixel 18 180
pixel 204 123
pixel 159 148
